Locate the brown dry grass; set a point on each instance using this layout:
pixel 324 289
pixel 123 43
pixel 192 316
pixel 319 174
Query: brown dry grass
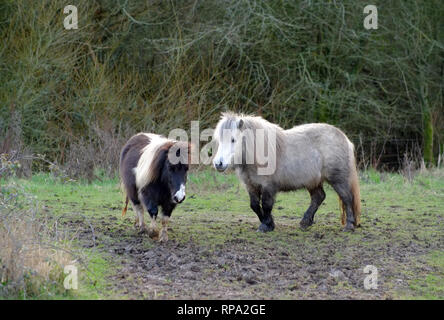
pixel 31 255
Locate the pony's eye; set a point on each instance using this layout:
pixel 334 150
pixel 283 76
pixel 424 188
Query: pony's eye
pixel 232 140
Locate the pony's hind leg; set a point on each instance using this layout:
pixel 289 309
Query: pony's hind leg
pixel 132 194
pixel 268 197
pixel 140 224
pixel 317 196
pixel 343 189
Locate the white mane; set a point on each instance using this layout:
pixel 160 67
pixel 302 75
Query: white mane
pixel 230 120
pixel 144 171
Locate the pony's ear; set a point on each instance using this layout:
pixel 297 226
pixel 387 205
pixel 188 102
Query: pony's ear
pixel 240 124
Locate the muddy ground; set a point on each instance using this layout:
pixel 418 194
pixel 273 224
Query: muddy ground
pixel 215 252
pixel 329 267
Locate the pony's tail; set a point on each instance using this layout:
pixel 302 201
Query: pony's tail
pixel 122 188
pixel 356 196
pixel 354 186
pixel 126 207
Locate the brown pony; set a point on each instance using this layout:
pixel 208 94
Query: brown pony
pixel 153 172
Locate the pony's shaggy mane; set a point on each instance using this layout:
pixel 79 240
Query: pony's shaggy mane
pixel 148 166
pixel 230 120
pixel 154 154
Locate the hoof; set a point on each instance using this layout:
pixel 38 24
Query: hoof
pixel 265 227
pixel 349 228
pixel 142 229
pixel 304 224
pixel 153 233
pixel 163 237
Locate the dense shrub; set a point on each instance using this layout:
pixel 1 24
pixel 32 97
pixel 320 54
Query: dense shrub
pixel 157 65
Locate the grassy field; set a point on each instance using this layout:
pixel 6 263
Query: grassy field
pixel 214 250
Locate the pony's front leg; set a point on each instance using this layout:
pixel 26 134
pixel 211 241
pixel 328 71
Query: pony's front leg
pixel 255 204
pixel 164 231
pixel 152 209
pixel 267 206
pixel 153 232
pixel 166 213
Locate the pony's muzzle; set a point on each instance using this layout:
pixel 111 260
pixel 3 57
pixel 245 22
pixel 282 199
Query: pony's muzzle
pixel 220 166
pixel 179 196
pixel 178 200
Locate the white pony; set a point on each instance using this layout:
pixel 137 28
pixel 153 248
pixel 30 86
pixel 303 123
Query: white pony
pixel 302 157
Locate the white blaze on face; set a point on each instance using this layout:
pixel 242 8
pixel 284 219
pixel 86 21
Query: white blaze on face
pixel 180 195
pixel 225 150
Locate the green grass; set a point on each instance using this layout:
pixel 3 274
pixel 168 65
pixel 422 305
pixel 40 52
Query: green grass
pixel 429 285
pixel 402 229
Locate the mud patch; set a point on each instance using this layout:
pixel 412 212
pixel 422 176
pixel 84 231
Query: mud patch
pixel 317 264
